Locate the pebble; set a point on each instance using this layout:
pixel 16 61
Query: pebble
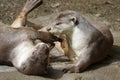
pixel 55 5
pixel 118 20
pixel 98 15
pixel 1 5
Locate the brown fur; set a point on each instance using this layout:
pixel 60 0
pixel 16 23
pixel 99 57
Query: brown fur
pixel 12 38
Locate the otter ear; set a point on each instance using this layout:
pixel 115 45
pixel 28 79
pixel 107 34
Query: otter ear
pixel 75 20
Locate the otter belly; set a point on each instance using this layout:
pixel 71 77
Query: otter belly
pixel 21 52
pixel 79 40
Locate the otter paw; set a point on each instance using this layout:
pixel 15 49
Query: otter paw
pixel 73 69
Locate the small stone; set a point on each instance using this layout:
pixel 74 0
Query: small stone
pixel 97 15
pixel 55 5
pixel 118 20
pixel 1 5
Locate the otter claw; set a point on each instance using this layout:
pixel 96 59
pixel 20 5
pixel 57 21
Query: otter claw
pixel 71 70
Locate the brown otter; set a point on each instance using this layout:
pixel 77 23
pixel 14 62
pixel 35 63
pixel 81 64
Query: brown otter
pixel 17 45
pixel 86 43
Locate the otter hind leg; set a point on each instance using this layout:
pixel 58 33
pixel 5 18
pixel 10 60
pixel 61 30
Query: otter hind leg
pixel 20 21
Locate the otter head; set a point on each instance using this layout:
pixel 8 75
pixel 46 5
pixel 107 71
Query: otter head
pixel 34 61
pixel 65 21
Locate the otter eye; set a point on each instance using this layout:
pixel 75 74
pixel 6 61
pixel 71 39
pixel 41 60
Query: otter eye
pixel 58 23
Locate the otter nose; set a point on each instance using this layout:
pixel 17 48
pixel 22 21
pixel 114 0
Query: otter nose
pixel 48 29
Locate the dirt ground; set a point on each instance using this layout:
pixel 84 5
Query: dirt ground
pixel 106 9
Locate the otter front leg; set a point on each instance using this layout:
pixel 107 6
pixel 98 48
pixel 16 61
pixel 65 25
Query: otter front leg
pixel 20 21
pixel 43 36
pixel 83 61
pixel 77 67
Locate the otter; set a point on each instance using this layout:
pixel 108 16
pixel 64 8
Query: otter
pixel 19 47
pixel 85 43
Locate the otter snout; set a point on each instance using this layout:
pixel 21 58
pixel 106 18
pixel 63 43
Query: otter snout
pixel 49 28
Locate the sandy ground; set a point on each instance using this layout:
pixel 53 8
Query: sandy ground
pixel 107 9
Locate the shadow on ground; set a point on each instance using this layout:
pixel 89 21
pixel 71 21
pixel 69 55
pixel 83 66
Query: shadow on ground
pixel 113 57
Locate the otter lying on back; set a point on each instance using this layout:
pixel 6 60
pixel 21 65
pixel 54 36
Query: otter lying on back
pixel 17 44
pixel 17 47
pixel 86 43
